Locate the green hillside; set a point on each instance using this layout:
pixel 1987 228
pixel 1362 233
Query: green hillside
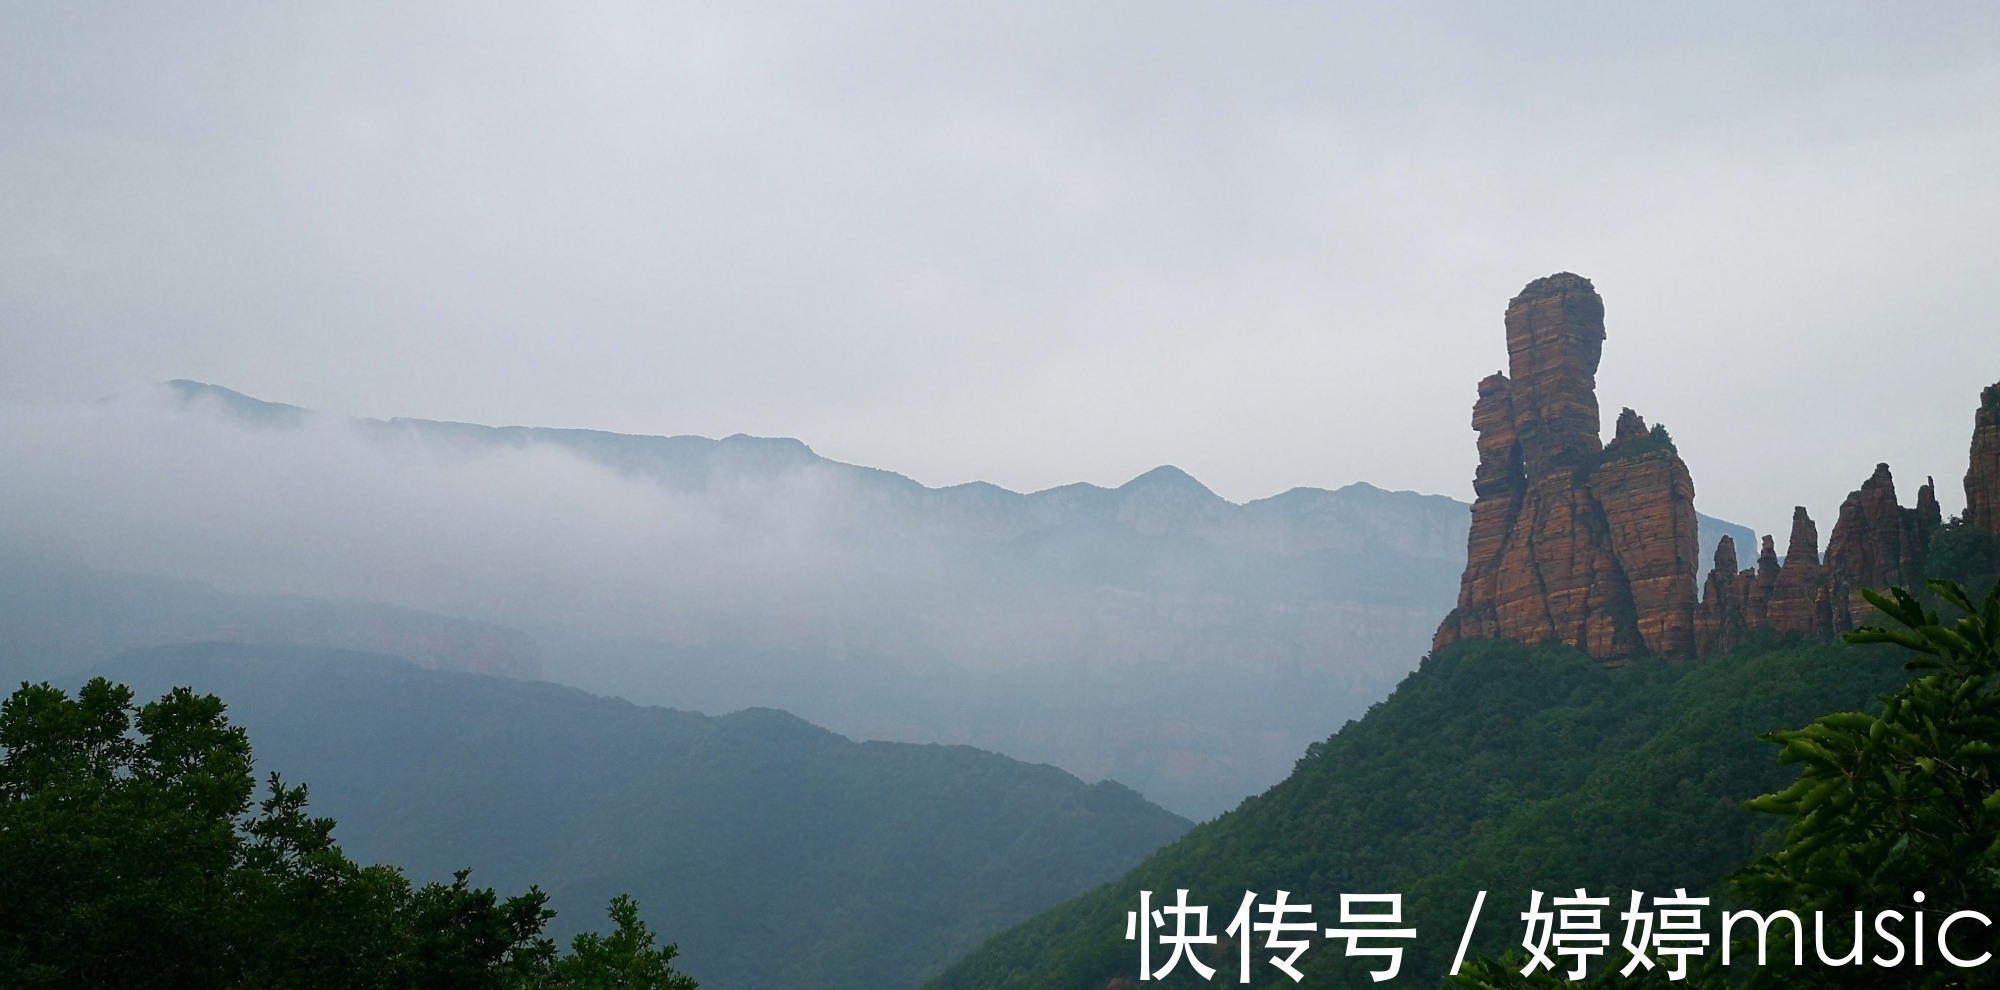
pixel 775 853
pixel 1494 766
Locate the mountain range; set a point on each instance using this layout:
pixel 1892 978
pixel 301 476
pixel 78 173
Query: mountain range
pixel 776 853
pixel 1152 633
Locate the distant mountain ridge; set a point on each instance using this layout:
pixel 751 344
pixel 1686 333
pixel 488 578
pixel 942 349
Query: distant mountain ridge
pixel 776 853
pixel 1153 633
pixel 1163 501
pixel 58 617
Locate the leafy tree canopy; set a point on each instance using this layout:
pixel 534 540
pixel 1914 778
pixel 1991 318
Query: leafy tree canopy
pixel 133 855
pixel 1898 810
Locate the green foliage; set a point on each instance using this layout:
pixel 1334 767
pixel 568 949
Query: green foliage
pixel 1904 800
pixel 1962 553
pixel 1655 439
pixel 130 857
pixel 624 960
pixel 1495 767
pixel 777 853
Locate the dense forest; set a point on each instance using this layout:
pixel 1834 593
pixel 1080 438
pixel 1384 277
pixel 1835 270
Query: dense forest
pixel 776 853
pixel 1510 768
pixel 132 855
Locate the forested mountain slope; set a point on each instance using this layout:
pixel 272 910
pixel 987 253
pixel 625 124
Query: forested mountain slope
pixel 776 853
pixel 1495 767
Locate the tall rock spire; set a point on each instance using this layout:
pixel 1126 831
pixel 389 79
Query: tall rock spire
pixel 1982 478
pixel 1876 544
pixel 1572 542
pixel 1555 336
pixel 1799 596
pixel 1593 545
pixel 1719 619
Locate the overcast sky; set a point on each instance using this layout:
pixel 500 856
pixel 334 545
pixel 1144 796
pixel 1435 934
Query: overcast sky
pixel 1026 243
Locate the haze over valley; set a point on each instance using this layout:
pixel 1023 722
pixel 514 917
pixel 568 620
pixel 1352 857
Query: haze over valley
pixel 761 495
pixel 1154 634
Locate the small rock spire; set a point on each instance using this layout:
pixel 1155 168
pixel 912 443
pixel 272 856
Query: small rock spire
pixel 1631 426
pixel 1804 548
pixel 1725 556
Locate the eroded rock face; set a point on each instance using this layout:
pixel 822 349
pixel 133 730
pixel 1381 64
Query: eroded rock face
pixel 1594 546
pixel 1719 619
pixel 1648 500
pixel 1796 597
pixel 1571 541
pixel 1982 478
pixel 1876 544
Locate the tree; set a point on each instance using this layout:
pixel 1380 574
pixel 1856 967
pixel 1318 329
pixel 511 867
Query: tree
pixel 1907 800
pixel 130 857
pixel 1885 805
pixel 624 960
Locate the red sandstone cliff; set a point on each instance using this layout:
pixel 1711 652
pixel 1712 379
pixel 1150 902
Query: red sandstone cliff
pixel 1594 546
pixel 1571 541
pixel 1982 479
pixel 1648 499
pixel 1876 543
pixel 1719 619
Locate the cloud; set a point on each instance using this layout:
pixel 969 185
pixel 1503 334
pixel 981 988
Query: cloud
pixel 1026 243
pixel 1098 630
pixel 330 509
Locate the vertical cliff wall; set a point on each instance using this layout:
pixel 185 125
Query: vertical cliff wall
pixel 1572 541
pixel 1594 545
pixel 1982 478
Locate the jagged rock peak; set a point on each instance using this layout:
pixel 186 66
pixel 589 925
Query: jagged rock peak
pixel 1876 544
pixel 1719 620
pixel 1725 555
pixel 1768 558
pixel 1982 476
pixel 1804 548
pixel 1631 426
pixel 1564 545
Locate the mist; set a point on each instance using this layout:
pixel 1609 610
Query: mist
pixel 138 483
pixel 1084 627
pixel 1024 243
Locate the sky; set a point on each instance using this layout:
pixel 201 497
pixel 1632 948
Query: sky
pixel 1027 243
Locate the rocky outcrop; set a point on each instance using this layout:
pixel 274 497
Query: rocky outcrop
pixel 1595 546
pixel 1797 600
pixel 1571 541
pixel 1719 621
pixel 1876 544
pixel 1648 500
pixel 1982 478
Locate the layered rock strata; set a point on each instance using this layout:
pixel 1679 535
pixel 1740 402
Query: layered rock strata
pixel 1572 541
pixel 1594 546
pixel 1876 544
